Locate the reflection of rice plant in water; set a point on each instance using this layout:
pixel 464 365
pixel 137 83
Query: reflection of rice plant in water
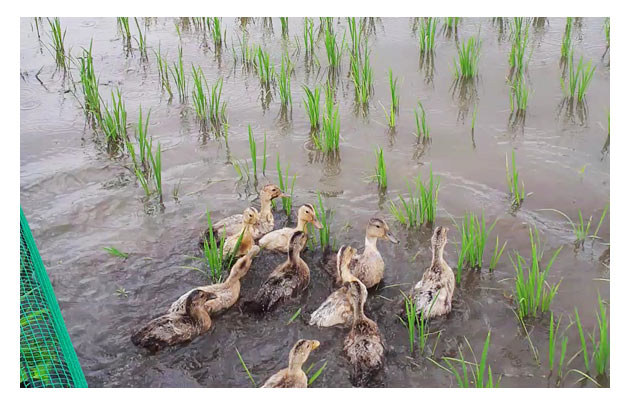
pixel 578 79
pixel 421 206
pixel 312 106
pixel 114 123
pixel 467 61
pixel 58 37
pixel 533 294
pixel 326 139
pixel 309 45
pixel 422 127
pixel 179 76
pixel 517 195
pixel 380 175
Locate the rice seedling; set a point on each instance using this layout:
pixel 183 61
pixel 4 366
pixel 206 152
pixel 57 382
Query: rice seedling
pixel 156 167
pixel 380 173
pixel 601 343
pixel 519 95
pixel 283 184
pixel 427 34
pixel 264 67
pixel 355 36
pixel 309 46
pixel 584 350
pixel 393 89
pixel 312 106
pixel 142 41
pixel 114 123
pixel 390 116
pixel 461 260
pixel 89 84
pixel 317 373
pixel 115 252
pixel 520 34
pixel 517 195
pixel 58 37
pixel 567 44
pixel 324 218
pixel 421 206
pixel 252 148
pixel 144 144
pixel 578 78
pixel 248 53
pixel 249 374
pixel 333 49
pixel 496 255
pixel 533 293
pixel 123 27
pixel 416 323
pixel 467 61
pixel 422 127
pixel 294 316
pixel 215 28
pixel 478 370
pixel 165 82
pixel 473 230
pixel 554 328
pixel 326 139
pixel 121 292
pixel 284 82
pixel 607 31
pixel 582 230
pixel 207 103
pixel 450 23
pixel 361 75
pixel 284 23
pixel 179 76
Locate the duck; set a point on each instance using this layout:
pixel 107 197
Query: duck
pixel 287 280
pixel 245 235
pixel 369 267
pixel 225 294
pixel 278 240
pixel 232 225
pixel 433 294
pixel 174 328
pixel 363 345
pixel 337 308
pixel 294 376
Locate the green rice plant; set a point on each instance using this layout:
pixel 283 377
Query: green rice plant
pixel 123 27
pixel 473 230
pixel 393 89
pixel 520 35
pixel 89 85
pixel 199 96
pixel 422 127
pixel 216 32
pixel 114 123
pixel 312 106
pixel 252 148
pixel 380 173
pixel 421 206
pixel 326 139
pixel 165 82
pixel 607 30
pixel 264 67
pixel 582 230
pixel 519 94
pixel 324 217
pixel 390 116
pixel 249 374
pixel 362 77
pixel 317 373
pixel 461 260
pixel 179 76
pixel 496 255
pixel 156 167
pixel 145 145
pixel 478 370
pixel 517 195
pixel 309 46
pixel 567 41
pixel 333 49
pixel 578 78
pixel 355 36
pixel 533 294
pixel 554 333
pixel 416 323
pixel 142 41
pixel 115 252
pixel 248 53
pixel 451 22
pixel 601 343
pixel 427 34
pixel 215 262
pixel 584 350
pixel 294 316
pixel 283 184
pixel 284 23
pixel 58 37
pixel 284 81
pixel 467 61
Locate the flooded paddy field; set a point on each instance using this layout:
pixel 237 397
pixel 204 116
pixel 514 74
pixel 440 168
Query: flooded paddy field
pixel 81 194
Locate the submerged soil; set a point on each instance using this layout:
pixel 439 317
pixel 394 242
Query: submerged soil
pixel 78 200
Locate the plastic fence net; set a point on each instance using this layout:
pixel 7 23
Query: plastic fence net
pixel 47 358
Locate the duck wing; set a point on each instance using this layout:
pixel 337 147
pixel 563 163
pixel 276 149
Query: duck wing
pixel 278 286
pixel 164 331
pixel 365 354
pixel 335 310
pixel 276 240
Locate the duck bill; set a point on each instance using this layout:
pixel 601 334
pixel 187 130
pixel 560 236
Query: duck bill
pixel 315 344
pixel 284 195
pixel 391 238
pixel 317 224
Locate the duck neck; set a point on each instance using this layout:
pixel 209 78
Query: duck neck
pixel 370 243
pixel 265 209
pixel 344 272
pixel 438 254
pixel 295 364
pixel 200 316
pixel 294 254
pixel 358 310
pixel 301 225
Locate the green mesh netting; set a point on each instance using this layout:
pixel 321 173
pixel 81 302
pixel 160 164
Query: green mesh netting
pixel 47 358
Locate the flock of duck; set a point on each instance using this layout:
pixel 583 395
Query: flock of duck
pixel 190 315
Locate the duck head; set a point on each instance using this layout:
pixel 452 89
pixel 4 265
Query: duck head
pixel 306 214
pixel 300 352
pixel 439 238
pixel 378 228
pixel 344 256
pixel 250 216
pixel 196 300
pixel 270 192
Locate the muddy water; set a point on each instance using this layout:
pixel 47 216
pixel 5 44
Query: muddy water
pixel 78 200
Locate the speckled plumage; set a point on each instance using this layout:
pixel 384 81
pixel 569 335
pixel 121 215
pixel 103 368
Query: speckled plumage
pixel 293 376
